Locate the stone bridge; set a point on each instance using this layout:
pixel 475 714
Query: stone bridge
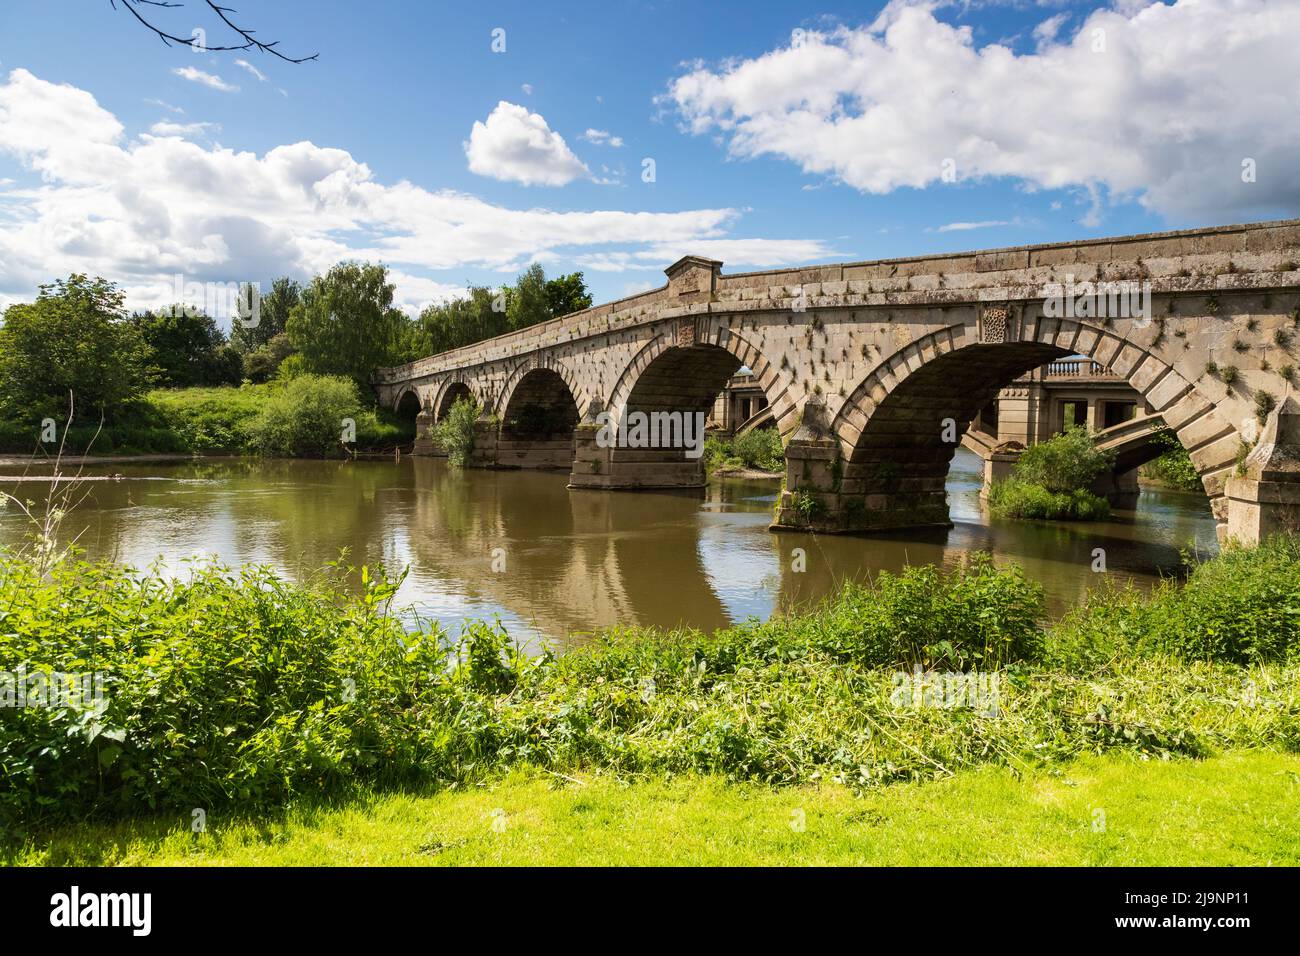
pixel 875 370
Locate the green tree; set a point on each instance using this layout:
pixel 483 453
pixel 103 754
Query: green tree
pixel 261 364
pixel 75 337
pixel 529 301
pixel 272 315
pixel 346 324
pixel 567 294
pixel 188 348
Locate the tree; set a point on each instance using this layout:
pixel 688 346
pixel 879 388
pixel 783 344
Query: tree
pixel 567 294
pixel 74 337
pixel 529 302
pixel 449 325
pixel 272 315
pixel 261 364
pixel 187 348
pixel 346 324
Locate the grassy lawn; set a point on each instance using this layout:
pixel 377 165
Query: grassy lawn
pixel 1242 808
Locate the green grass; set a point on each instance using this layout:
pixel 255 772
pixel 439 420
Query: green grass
pixel 1239 809
pixel 198 420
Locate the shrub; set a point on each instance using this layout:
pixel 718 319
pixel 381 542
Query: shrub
pixel 228 688
pixel 976 616
pixel 455 433
pixel 1066 462
pixel 1174 468
pixel 1013 498
pixel 1243 607
pixel 760 449
pixel 305 417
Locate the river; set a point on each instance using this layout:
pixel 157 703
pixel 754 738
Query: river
pixel 520 547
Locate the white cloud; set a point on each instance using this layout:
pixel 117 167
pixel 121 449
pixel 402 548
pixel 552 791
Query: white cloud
pixel 527 89
pixel 168 128
pixel 244 64
pixel 1046 31
pixel 167 106
pixel 734 253
pixel 142 210
pixel 1165 114
pixel 966 226
pixel 207 79
pixel 517 146
pixel 602 137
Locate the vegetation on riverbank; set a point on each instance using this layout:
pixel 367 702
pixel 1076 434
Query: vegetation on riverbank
pixel 1156 813
pixel 1174 468
pixel 759 449
pixel 76 367
pixel 455 433
pixel 236 691
pixel 277 418
pixel 1051 480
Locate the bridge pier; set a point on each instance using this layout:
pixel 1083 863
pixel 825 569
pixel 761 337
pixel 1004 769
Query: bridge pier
pixel 424 423
pixel 1264 496
pixel 823 493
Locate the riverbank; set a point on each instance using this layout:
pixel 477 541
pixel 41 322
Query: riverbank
pixel 239 693
pixel 1235 810
pixel 291 417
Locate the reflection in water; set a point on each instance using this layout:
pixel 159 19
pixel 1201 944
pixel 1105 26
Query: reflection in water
pixel 521 547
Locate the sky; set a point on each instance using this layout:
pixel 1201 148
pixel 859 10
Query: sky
pixel 457 143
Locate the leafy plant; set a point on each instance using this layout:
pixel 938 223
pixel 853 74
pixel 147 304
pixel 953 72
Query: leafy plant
pixel 454 434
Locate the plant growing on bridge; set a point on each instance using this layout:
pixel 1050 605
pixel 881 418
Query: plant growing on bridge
pixel 455 433
pixel 1264 405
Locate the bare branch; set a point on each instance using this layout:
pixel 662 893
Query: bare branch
pixel 194 42
pixel 248 35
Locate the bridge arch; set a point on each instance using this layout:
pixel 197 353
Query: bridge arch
pixel 539 413
pixel 525 372
pixel 899 428
pixel 671 383
pixel 408 402
pixel 670 355
pixel 448 395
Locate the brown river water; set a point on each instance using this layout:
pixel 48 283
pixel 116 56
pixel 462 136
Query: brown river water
pixel 520 547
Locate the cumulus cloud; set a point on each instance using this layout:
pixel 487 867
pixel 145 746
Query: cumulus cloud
pixel 210 80
pixel 602 137
pixel 142 210
pixel 1156 103
pixel 515 145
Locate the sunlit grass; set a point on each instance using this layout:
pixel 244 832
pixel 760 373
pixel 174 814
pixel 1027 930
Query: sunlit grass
pixel 1240 809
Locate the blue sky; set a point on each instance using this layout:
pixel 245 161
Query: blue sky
pixel 780 134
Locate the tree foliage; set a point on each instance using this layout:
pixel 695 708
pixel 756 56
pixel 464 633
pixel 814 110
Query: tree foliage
pixel 346 323
pixel 1064 463
pixel 188 348
pixel 272 315
pixel 76 338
